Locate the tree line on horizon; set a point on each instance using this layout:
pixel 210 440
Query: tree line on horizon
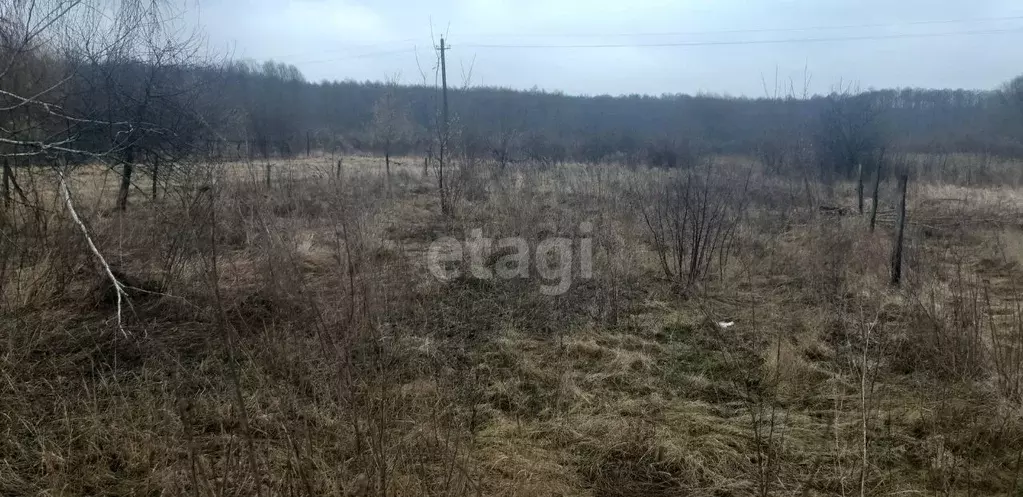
pixel 141 95
pixel 284 113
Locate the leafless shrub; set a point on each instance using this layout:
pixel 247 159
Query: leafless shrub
pixel 945 335
pixel 666 153
pixel 391 125
pixel 1006 339
pixel 692 220
pixel 543 151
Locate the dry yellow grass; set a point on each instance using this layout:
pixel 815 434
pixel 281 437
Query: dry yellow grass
pixel 324 359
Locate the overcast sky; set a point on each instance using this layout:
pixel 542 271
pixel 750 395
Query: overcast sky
pixel 722 46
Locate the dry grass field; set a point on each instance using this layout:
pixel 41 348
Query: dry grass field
pixel 290 340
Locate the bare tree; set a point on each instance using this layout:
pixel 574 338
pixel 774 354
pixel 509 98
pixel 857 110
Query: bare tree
pixel 849 134
pixel 504 145
pixel 391 124
pixel 90 81
pixel 94 80
pixel 154 88
pixel 506 140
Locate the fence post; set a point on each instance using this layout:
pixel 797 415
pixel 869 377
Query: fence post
pixel 873 205
pixel 900 231
pixel 859 187
pixel 156 175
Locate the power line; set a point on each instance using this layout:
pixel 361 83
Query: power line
pixel 348 48
pixel 359 56
pixel 756 42
pixel 412 49
pixel 738 31
pixel 352 48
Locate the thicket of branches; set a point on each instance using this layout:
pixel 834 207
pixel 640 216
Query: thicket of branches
pixel 102 81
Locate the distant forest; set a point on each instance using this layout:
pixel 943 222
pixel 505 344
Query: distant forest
pixel 279 106
pixel 150 103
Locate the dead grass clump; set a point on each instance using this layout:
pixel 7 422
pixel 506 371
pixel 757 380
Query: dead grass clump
pixel 636 465
pixel 963 438
pixel 516 381
pixel 944 350
pixel 792 370
pixel 477 309
pixel 708 363
pixel 262 310
pixel 39 268
pixel 944 337
pixel 689 451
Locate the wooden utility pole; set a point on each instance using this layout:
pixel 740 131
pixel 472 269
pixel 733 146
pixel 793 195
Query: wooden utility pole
pixel 444 83
pixel 444 128
pixel 900 230
pixel 874 197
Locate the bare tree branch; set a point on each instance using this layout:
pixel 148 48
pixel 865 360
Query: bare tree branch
pixel 122 296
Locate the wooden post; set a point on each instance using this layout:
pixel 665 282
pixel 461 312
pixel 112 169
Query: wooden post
pixel 337 172
pixel 900 231
pixel 859 188
pixel 156 173
pixel 426 166
pixel 874 197
pixel 387 166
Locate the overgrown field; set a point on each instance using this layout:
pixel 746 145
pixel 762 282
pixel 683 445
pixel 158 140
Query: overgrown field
pixel 290 339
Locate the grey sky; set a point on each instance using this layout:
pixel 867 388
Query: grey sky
pixel 361 39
